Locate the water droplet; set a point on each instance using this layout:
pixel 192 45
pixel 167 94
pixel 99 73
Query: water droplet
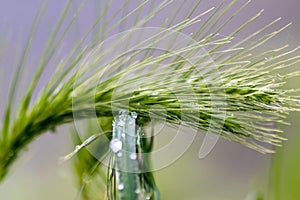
pixel 119 154
pixel 133 156
pixel 134 115
pixel 123 135
pixel 116 145
pixel 138 191
pixel 121 123
pixel 148 195
pixel 121 186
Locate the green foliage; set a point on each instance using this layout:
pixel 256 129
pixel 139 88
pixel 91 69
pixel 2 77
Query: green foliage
pixel 131 176
pixel 285 178
pixel 90 175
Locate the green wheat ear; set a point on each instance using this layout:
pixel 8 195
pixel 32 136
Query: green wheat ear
pixel 251 83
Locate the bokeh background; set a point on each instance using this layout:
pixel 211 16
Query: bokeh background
pixel 231 171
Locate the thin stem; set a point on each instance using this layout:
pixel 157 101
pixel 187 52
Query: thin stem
pixel 129 161
pixel 124 145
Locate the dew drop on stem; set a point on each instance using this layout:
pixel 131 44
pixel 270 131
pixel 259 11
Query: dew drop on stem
pixel 119 154
pixel 133 156
pixel 116 145
pixel 121 186
pixel 134 115
pixel 138 191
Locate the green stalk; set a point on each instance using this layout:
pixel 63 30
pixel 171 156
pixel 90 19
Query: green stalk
pixel 123 145
pixel 132 181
